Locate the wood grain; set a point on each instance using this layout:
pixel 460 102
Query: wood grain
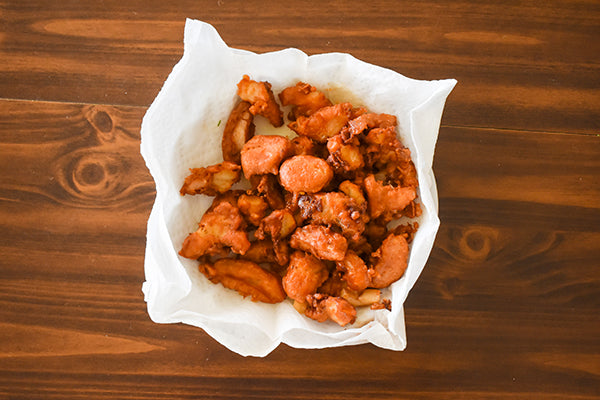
pixel 73 322
pixel 519 66
pixel 507 306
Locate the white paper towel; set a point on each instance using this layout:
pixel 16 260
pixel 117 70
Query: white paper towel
pixel 183 128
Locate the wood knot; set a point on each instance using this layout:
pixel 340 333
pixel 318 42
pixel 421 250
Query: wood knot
pixel 102 122
pixel 89 176
pixel 476 242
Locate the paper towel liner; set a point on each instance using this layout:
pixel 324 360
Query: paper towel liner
pixel 183 129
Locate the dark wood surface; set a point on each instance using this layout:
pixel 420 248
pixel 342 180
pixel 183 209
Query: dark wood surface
pixel 508 306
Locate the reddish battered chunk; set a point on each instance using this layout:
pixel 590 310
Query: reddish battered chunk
pixel 238 130
pixel 304 98
pixel 278 225
pixel 263 154
pixel 387 200
pixel 221 227
pixel 323 124
pixel 323 307
pixel 334 208
pixel 261 97
pixel 355 271
pixel 306 174
pixel 303 145
pixel 389 261
pixel 247 278
pixel 344 156
pixel 253 207
pixel 369 121
pixel 320 241
pixel 211 180
pixel 304 275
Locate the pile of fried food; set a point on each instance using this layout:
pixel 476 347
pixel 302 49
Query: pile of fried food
pixel 314 224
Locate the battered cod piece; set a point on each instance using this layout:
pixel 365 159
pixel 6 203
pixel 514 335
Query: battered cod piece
pixel 303 146
pixel 211 180
pixel 238 130
pixel 260 252
pixel 389 261
pixel 334 208
pixel 219 228
pixel 245 277
pixel 304 275
pixel 355 271
pixel 267 186
pixel 304 98
pixel 344 156
pixel 262 154
pixel 323 307
pixel 320 241
pixel 253 207
pixel 261 97
pixel 324 123
pixel 385 200
pixel 306 174
pixel 278 225
pixel 368 121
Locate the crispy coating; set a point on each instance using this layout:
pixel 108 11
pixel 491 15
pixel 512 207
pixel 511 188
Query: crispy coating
pixel 323 124
pixel 268 187
pixel 245 277
pixel 368 121
pixel 334 208
pixel 211 180
pixel 304 98
pixel 304 275
pixel 260 95
pixel 303 145
pixel 303 173
pixel 355 271
pixel 353 191
pixel 253 207
pixel 263 154
pixel 323 307
pixel 344 156
pixel 219 228
pixel 260 252
pixel 238 130
pixel 320 241
pixel 389 261
pixel 387 200
pixel 277 225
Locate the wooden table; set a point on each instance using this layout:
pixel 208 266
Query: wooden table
pixel 508 305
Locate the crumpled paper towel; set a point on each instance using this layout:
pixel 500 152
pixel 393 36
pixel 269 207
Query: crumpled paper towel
pixel 183 129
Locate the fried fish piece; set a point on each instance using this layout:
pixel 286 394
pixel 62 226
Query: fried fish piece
pixel 304 173
pixel 264 153
pixel 245 277
pixel 334 208
pixel 253 207
pixel 238 130
pixel 260 95
pixel 304 275
pixel 268 187
pixel 221 227
pixel 322 307
pixel 304 98
pixel 211 180
pixel 366 121
pixel 386 200
pixel 320 241
pixel 324 123
pixel 344 156
pixel 355 271
pixel 389 262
